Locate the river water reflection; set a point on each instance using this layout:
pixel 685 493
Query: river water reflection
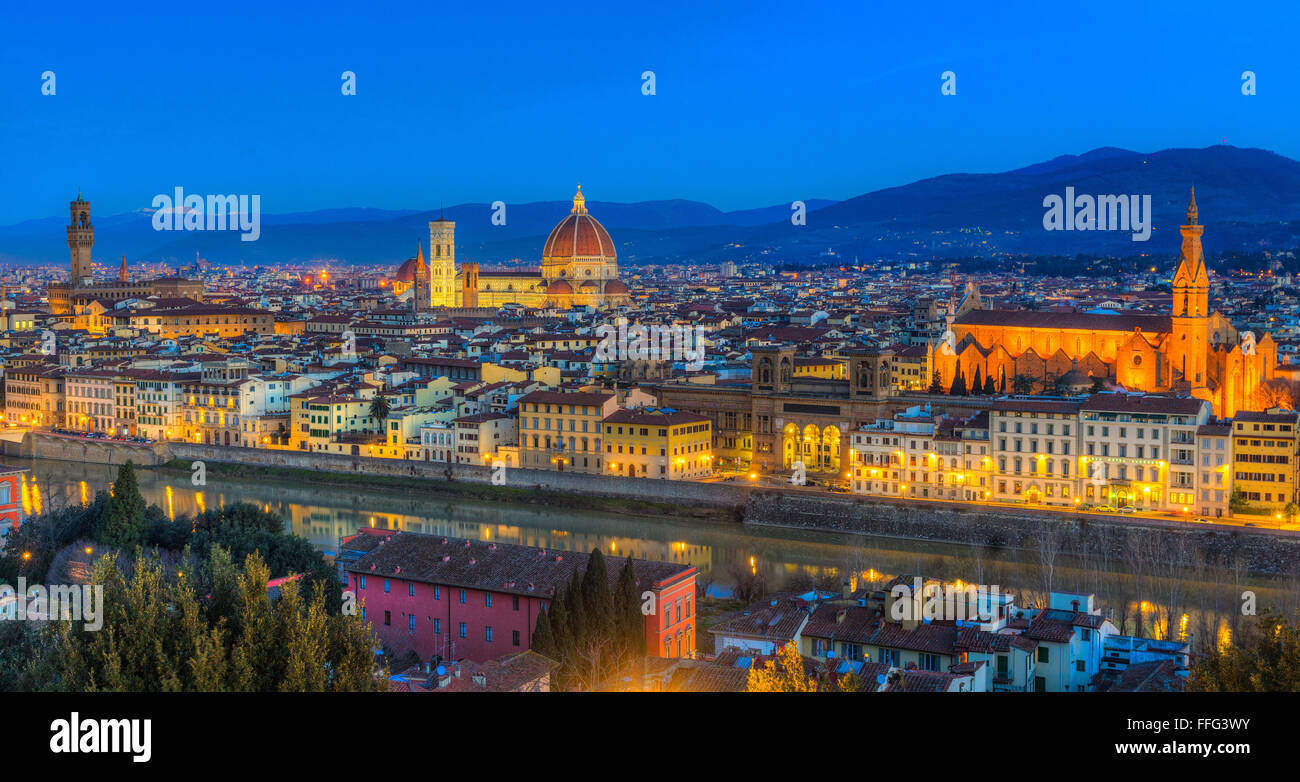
pixel 323 514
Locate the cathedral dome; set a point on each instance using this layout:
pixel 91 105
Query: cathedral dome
pixel 578 236
pixel 559 288
pixel 614 288
pixel 406 272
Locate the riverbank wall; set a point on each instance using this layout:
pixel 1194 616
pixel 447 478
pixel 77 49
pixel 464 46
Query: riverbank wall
pixel 1117 538
pixel 729 496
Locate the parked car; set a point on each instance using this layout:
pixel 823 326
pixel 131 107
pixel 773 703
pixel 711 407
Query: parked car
pixel 1128 509
pixel 1105 509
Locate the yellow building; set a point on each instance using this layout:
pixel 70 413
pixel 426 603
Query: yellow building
pixel 334 419
pixel 1264 457
pixel 559 431
pixel 34 393
pixel 656 443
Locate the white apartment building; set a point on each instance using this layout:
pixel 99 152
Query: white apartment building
pixel 1034 444
pixel 1140 450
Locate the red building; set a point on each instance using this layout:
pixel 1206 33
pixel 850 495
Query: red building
pixel 11 496
pixel 465 599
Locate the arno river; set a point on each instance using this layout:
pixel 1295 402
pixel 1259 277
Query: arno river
pixel 323 514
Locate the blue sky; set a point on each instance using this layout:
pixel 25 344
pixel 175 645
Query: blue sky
pixel 757 102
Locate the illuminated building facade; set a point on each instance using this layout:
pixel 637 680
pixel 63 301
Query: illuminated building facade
pixel 1192 349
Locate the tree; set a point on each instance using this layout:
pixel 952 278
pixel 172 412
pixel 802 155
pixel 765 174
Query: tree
pixel 977 385
pixel 158 636
pixel 1264 658
pixel 558 616
pixel 123 524
pixel 577 611
pixel 990 388
pixel 936 383
pixel 785 673
pixel 543 640
pixel 750 584
pixel 597 599
pixel 379 409
pixel 958 384
pixel 1022 384
pixel 630 627
pixel 1237 502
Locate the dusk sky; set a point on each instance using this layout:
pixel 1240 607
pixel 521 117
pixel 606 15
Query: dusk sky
pixel 757 103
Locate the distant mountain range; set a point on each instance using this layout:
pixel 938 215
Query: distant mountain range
pixel 1249 200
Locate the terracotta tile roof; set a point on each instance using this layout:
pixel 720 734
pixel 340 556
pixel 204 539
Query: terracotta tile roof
pixel 499 567
pixel 1152 324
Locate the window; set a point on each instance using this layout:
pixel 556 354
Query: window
pixel 388 618
pixel 363 582
pixel 514 603
pixel 1080 666
pixel 437 626
pixel 514 637
pixel 386 585
pixel 410 590
pixel 462 596
pixel 487 599
pixel 1042 654
pixel 410 623
pixel 487 633
pixel 929 662
pixel 437 593
pixel 464 631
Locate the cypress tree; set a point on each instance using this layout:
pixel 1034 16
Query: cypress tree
pixel 597 599
pixel 579 625
pixel 123 524
pixel 543 640
pixel 627 612
pixel 958 384
pixel 557 617
pixel 990 388
pixel 977 385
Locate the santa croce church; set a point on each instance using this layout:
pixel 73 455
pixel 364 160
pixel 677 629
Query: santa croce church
pixel 1192 349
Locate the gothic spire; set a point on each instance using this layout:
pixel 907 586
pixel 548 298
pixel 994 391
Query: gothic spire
pixel 1191 208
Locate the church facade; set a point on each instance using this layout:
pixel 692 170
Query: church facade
pixel 1192 349
pixel 579 268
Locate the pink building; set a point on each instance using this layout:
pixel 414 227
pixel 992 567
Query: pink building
pixel 463 599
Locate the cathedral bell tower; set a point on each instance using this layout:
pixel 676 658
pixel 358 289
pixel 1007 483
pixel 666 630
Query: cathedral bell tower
pixel 81 238
pixel 1191 305
pixel 442 262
